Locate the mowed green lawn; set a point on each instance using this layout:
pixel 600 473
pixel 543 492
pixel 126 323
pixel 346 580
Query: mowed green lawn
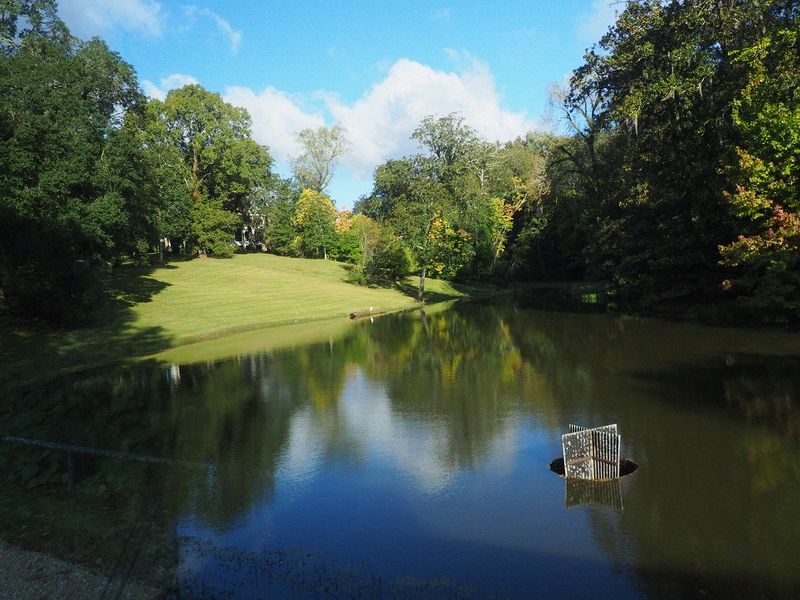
pixel 155 310
pixel 207 297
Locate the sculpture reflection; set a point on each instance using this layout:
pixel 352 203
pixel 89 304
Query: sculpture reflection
pixel 584 492
pixel 587 492
pixel 448 401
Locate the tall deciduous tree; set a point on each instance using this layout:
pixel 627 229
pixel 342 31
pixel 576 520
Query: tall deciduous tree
pixel 438 201
pixel 315 220
pixel 765 257
pixel 321 149
pixel 221 164
pixel 654 106
pixel 72 190
pixel 21 18
pixel 277 208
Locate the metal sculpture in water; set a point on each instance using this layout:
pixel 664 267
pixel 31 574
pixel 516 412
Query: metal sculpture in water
pixel 591 453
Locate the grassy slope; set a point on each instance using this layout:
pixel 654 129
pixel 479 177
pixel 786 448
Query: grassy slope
pixel 156 311
pixel 206 297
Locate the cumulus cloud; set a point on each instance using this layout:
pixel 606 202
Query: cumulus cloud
pixel 87 18
pixel 600 16
pixel 170 82
pixel 233 36
pixel 277 118
pixel 380 122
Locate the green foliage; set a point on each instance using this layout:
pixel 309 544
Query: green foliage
pixel 381 256
pixel 276 209
pixel 347 246
pixel 322 147
pixel 765 258
pixel 72 193
pixel 460 207
pixel 20 19
pixel 452 145
pixel 206 142
pixel 212 228
pixel 315 220
pixel 678 106
pixel 447 249
pixel 436 201
pixel 390 260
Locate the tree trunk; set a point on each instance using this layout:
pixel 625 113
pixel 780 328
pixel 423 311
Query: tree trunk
pixel 424 318
pixel 196 177
pixel 421 292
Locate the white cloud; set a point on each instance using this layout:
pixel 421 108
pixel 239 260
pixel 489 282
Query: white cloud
pixel 170 82
pixel 87 18
pixel 380 122
pixel 277 118
pixel 234 36
pixel 601 15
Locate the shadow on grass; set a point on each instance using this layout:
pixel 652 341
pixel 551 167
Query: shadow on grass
pixel 35 353
pixel 460 291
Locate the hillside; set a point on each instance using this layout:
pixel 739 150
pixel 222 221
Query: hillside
pixel 154 310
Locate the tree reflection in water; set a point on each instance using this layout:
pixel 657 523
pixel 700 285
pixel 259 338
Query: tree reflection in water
pixel 434 400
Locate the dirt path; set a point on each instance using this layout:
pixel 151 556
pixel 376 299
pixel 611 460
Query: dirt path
pixel 26 575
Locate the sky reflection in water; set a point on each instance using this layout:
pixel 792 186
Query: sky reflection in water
pixel 411 456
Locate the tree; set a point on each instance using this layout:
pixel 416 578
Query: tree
pixel 387 258
pixel 347 246
pixel 315 220
pixel 322 148
pixel 168 184
pixel 278 209
pixel 38 18
pixel 438 202
pixel 378 253
pixel 765 257
pixel 453 146
pixel 651 110
pixel 73 186
pixel 391 186
pixel 451 196
pixel 221 166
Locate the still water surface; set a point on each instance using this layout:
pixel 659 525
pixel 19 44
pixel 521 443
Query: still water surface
pixel 409 458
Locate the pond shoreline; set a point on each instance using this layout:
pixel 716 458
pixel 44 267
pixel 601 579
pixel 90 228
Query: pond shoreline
pixel 25 574
pixel 152 311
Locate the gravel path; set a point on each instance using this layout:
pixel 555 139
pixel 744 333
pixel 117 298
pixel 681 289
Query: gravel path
pixel 26 575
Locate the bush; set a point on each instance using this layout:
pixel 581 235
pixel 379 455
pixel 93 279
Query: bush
pixel 58 291
pixel 390 259
pixel 357 275
pixel 42 274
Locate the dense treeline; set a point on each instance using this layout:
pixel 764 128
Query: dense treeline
pixel 93 173
pixel 684 157
pixel 674 180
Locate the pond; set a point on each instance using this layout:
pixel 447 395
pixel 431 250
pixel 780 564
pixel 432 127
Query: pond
pixel 407 457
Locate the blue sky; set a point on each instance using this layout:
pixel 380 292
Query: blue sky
pixel 375 68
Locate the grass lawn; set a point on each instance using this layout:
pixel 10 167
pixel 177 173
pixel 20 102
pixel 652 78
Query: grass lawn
pixel 205 297
pixel 155 311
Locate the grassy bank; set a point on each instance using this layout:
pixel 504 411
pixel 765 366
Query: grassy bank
pixel 151 312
